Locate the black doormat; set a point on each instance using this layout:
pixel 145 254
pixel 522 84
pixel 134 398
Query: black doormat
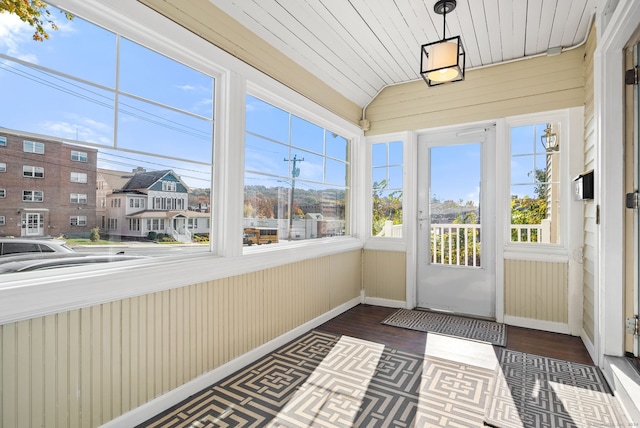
pixel 451 325
pixel 534 391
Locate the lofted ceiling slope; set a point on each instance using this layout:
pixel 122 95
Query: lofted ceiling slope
pixel 359 47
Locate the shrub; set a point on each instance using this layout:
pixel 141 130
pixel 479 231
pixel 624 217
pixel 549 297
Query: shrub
pixel 152 235
pixel 95 235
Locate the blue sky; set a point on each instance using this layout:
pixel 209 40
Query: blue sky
pixel 176 123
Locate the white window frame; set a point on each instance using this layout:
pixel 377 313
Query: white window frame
pixel 33 194
pixel 3 193
pixel 78 198
pixel 3 141
pixel 78 220
pixel 570 140
pixel 3 220
pixel 35 147
pixel 78 156
pixel 78 177
pixel 3 167
pixel 409 142
pixel 29 171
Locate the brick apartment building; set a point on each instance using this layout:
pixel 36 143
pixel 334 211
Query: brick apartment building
pixel 47 188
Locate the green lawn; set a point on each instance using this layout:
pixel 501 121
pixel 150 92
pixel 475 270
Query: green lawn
pixel 86 241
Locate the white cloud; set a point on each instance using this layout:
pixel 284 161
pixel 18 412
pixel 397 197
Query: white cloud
pixel 13 33
pixel 186 87
pixel 84 129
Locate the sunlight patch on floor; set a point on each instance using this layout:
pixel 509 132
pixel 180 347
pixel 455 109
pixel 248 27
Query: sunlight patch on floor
pixel 463 351
pixel 335 390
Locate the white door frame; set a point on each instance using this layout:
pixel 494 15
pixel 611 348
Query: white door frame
pixel 488 139
pixel 614 32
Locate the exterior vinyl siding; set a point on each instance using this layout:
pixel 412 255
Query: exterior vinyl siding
pixel 85 367
pixel 536 290
pixel 590 227
pixel 528 86
pixel 226 33
pixel 384 275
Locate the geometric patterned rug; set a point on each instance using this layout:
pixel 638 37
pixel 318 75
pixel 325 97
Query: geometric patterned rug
pixel 327 380
pixel 451 325
pixel 535 391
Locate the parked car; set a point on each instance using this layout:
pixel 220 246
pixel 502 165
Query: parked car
pixel 33 262
pixel 25 245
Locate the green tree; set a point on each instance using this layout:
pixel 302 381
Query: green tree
pixel 34 12
pixel 529 210
pixel 385 207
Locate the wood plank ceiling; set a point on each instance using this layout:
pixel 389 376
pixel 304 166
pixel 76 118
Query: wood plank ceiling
pixel 360 47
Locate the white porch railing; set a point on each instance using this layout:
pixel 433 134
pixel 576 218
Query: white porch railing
pixel 455 244
pixel 459 244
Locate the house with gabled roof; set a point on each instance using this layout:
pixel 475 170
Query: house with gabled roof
pixel 153 201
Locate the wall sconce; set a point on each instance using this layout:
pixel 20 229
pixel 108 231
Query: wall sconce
pixel 443 61
pixel 549 139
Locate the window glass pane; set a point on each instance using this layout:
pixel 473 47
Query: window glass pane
pixel 336 172
pixel 379 155
pixel 65 108
pixel 146 183
pixel 266 120
pixel 149 128
pixel 265 156
pixel 387 189
pixel 336 146
pixel 177 86
pixel 535 185
pixel 306 135
pixel 395 153
pixel 291 193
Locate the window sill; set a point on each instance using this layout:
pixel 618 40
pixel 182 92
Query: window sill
pixel 33 294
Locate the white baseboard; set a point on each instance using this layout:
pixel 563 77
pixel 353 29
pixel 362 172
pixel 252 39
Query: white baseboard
pixel 375 301
pixel 591 349
pixel 173 397
pixel 555 327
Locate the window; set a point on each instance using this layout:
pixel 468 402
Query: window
pixel 33 147
pixel 33 171
pixel 134 224
pixel 296 174
pixel 136 203
pixel 386 189
pixel 169 186
pixel 3 141
pixel 3 167
pixel 78 198
pixel 78 177
pixel 3 193
pixel 193 223
pixel 79 156
pixel 535 184
pixel 75 118
pixel 2 220
pixel 78 220
pixel 32 195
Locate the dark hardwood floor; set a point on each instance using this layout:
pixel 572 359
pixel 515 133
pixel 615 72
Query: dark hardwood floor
pixel 363 322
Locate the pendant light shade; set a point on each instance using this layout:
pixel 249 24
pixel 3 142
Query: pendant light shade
pixel 443 61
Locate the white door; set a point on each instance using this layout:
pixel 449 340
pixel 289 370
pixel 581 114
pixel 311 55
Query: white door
pixel 33 225
pixel 456 222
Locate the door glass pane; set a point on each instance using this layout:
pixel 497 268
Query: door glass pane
pixel 454 204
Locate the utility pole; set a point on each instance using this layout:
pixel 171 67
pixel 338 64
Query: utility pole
pixel 295 172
